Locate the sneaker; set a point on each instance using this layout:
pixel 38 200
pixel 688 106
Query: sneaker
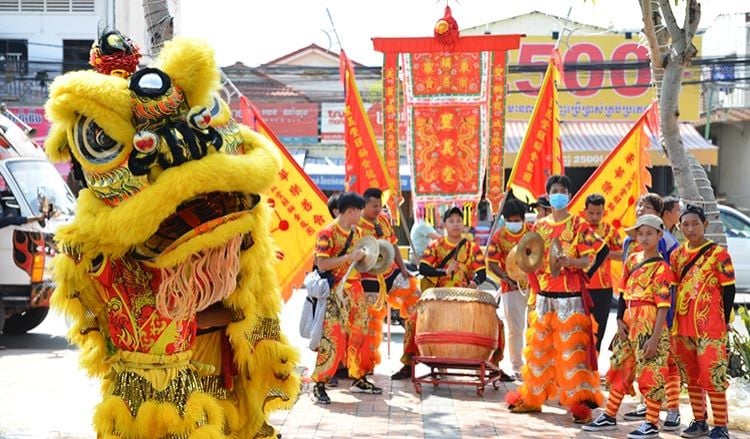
pixel 646 430
pixel 638 414
pixel 719 433
pixel 403 374
pixel 504 377
pixel 603 422
pixel 363 386
pixel 672 421
pixel 695 429
pixel 319 394
pixel 333 382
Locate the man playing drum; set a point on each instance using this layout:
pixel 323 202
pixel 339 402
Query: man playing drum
pixel 513 299
pixel 453 261
pixel 375 222
pixel 560 356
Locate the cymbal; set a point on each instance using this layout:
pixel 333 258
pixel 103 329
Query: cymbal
pixel 512 268
pixel 370 246
pixel 386 255
pixel 555 251
pixel 530 252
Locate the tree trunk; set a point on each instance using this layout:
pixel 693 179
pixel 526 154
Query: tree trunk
pixel 159 24
pixel 690 177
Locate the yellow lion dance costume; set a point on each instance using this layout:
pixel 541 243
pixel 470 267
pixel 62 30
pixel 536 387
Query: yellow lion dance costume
pixel 170 226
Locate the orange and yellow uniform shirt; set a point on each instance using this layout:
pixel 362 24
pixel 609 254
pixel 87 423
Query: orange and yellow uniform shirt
pixel 469 257
pixel 602 278
pixel 577 239
pixel 699 311
pixel 501 243
pixel 331 240
pixel 645 290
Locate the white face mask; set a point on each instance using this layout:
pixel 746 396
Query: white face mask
pixel 514 227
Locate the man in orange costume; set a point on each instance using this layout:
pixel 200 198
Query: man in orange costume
pixel 377 224
pixel 344 333
pixel 600 284
pixel 704 276
pixel 453 261
pixel 560 355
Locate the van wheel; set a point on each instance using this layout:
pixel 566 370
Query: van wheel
pixel 25 321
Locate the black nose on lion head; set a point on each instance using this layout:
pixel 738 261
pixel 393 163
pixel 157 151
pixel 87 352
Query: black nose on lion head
pixel 169 132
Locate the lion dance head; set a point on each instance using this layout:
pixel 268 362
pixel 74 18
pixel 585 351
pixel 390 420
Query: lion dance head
pixel 171 226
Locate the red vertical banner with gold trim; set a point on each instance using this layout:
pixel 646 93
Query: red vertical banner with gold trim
pixel 364 161
pixel 300 210
pixel 390 131
pixel 495 171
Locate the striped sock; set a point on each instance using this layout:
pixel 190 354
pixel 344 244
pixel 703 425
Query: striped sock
pixel 697 403
pixel 673 392
pixel 614 401
pixel 719 408
pixel 652 411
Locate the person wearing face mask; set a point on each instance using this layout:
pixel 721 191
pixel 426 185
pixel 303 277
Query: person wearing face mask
pixel 513 299
pixel 560 355
pixel 600 284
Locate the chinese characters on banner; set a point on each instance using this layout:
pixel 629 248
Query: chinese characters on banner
pixel 623 176
pixel 446 84
pixel 495 172
pixel 300 210
pixel 364 162
pixel 541 151
pixel 448 160
pixel 391 132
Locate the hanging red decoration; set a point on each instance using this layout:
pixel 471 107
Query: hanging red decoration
pixel 446 29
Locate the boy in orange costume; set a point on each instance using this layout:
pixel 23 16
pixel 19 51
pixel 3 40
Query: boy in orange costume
pixel 642 345
pixel 344 334
pixel 704 276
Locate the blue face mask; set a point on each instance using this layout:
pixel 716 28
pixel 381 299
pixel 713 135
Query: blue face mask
pixel 559 201
pixel 514 227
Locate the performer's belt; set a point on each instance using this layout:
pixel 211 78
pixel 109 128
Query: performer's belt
pixel 632 303
pixel 559 295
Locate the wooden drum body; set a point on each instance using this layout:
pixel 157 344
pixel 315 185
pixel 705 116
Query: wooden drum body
pixel 457 323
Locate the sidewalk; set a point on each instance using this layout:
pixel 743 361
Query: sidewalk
pixel 442 412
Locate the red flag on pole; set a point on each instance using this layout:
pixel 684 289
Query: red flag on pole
pixel 541 150
pixel 365 167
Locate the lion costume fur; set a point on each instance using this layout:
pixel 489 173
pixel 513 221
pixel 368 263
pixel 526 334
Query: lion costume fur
pixel 158 379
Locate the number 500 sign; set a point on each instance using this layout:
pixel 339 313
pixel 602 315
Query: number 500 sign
pixel 603 92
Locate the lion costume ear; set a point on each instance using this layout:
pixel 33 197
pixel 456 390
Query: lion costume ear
pixel 190 64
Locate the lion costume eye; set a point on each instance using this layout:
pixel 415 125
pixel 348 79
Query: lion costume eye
pixel 93 143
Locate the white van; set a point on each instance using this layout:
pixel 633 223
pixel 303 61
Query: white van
pixel 30 186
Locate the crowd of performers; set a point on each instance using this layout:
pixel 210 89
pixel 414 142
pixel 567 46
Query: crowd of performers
pixel 676 294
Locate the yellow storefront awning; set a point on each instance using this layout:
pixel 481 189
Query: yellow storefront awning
pixel 586 144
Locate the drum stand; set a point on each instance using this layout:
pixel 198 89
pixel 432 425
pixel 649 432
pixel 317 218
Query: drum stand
pixel 479 373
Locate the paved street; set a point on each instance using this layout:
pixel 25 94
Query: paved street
pixel 43 394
